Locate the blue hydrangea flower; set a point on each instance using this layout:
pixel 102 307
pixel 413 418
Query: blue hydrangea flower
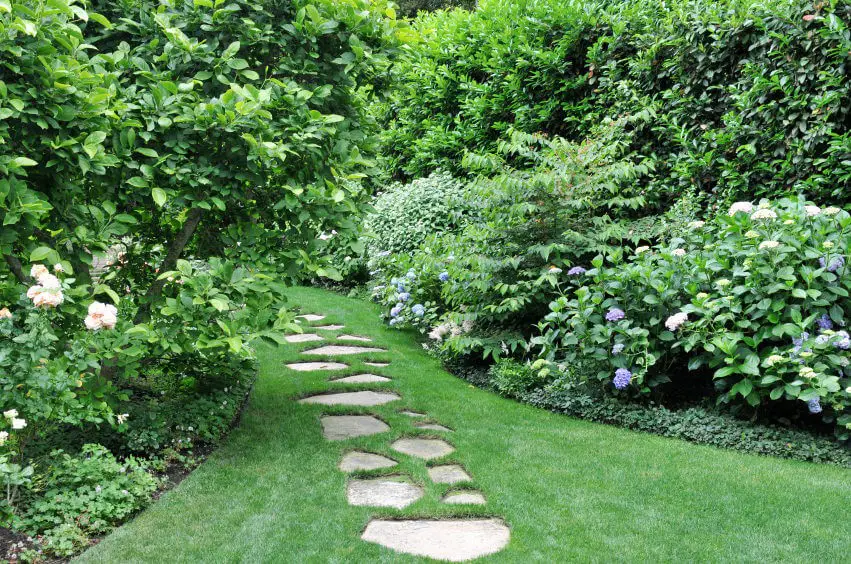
pixel 814 405
pixel 844 341
pixel 400 288
pixel 824 322
pixel 615 314
pixel 394 321
pixel 622 378
pixel 576 271
pixel 799 342
pixel 835 264
pixel 396 310
pixel 411 274
pixel 618 348
pixel 404 297
pixel 418 310
pixel 822 339
pixel 443 276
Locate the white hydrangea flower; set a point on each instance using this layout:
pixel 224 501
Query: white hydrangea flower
pixel 4 436
pixel 745 207
pixel 751 234
pixel 676 321
pixel 641 249
pixel 812 210
pixel 832 210
pixel 697 224
pixel 763 213
pixel 789 222
pixel 18 424
pixel 768 245
pixel 678 252
pixel 11 414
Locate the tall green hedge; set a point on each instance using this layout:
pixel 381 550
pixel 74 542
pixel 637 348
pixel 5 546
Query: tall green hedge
pixel 750 98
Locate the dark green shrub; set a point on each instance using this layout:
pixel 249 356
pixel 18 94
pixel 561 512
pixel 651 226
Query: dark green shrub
pixel 410 8
pixel 516 380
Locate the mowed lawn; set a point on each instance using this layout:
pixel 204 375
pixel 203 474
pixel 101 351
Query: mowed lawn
pixel 569 490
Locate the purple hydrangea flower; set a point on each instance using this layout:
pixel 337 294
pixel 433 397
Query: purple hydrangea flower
pixel 835 264
pixel 576 271
pixel 618 348
pixel 396 310
pixel 418 310
pixel 844 341
pixel 824 322
pixel 814 405
pixel 615 314
pixel 822 339
pixel 394 321
pixel 799 342
pixel 400 288
pixel 622 378
pixel 404 297
pixel 443 276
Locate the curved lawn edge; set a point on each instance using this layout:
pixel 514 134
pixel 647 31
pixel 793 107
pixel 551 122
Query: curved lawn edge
pixel 569 489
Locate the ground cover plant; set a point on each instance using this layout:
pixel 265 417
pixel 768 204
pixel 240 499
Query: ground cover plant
pixel 558 482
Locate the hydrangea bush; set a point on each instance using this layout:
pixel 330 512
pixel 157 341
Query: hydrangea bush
pixel 758 294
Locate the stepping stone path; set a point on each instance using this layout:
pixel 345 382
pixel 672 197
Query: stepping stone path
pixel 342 427
pixel 383 492
pixel 332 350
pixel 352 398
pixel 454 540
pixel 313 366
pixel 303 338
pixel 464 498
pixel 354 338
pixel 357 460
pixel 361 379
pixel 449 474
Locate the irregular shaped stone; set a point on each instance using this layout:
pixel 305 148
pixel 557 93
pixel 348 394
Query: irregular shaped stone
pixel 362 379
pixel 310 317
pixel 357 460
pixel 334 350
pixel 311 366
pixel 342 427
pixel 413 414
pixel 377 364
pixel 431 426
pixel 448 474
pixel 423 448
pixel 383 492
pixel 366 398
pixel 354 338
pixel 469 497
pixel 302 338
pixel 329 327
pixel 454 540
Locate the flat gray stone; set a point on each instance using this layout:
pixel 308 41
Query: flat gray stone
pixel 413 414
pixel 448 474
pixel 464 498
pixel 302 338
pixel 329 327
pixel 431 426
pixel 335 350
pixel 377 364
pixel 342 427
pixel 383 492
pixel 366 398
pixel 354 338
pixel 454 540
pixel 312 366
pixel 423 448
pixel 362 379
pixel 310 317
pixel 357 460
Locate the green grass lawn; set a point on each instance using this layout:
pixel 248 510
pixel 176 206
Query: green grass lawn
pixel 569 490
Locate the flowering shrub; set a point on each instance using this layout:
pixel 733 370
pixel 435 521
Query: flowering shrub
pixel 757 294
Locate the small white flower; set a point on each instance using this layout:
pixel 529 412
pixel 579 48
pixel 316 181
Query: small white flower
pixel 12 413
pixel 641 249
pixel 38 270
pixel 827 244
pixel 832 210
pixel 751 234
pixel 4 436
pixel 812 210
pixel 763 213
pixel 697 224
pixel 679 252
pixel 122 418
pixel 768 245
pixel 745 207
pixel 98 488
pixel 18 423
pixel 723 282
pixel 676 321
pixel 58 268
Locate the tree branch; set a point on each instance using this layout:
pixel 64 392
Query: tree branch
pixel 17 269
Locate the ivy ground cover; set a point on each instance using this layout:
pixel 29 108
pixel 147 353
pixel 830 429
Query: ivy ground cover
pixel 569 490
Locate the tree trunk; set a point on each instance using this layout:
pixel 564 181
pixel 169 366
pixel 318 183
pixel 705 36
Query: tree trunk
pixel 175 249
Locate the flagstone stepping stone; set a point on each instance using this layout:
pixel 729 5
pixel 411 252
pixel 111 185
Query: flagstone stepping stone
pixel 431 426
pixel 312 366
pixel 310 317
pixel 464 498
pixel 383 492
pixel 423 448
pixel 365 398
pixel 357 460
pixel 413 414
pixel 334 350
pixel 302 338
pixel 448 474
pixel 454 540
pixel 354 338
pixel 342 427
pixel 329 327
pixel 361 379
pixel 377 364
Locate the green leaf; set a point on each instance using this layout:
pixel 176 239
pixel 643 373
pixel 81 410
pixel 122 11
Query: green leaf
pixel 24 161
pixel 159 196
pixel 147 152
pixel 41 253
